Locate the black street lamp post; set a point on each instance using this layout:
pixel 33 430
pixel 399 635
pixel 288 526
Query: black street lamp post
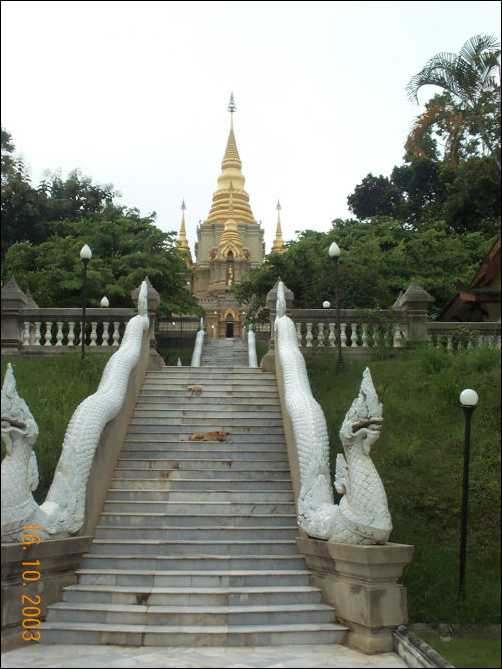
pixel 468 401
pixel 85 256
pixel 334 254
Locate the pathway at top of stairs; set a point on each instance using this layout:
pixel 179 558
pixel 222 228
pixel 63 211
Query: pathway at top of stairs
pixel 224 353
pixel 196 545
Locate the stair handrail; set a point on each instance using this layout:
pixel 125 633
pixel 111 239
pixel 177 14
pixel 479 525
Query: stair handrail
pixel 199 343
pixel 362 516
pixel 252 358
pixel 63 511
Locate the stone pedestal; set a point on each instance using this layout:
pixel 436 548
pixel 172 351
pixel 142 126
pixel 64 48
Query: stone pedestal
pixel 414 303
pixel 362 583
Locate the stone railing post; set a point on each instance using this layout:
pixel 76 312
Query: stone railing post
pixel 413 303
pixel 13 303
pixel 156 360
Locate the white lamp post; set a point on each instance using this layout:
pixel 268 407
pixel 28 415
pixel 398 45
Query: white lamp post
pixel 468 401
pixel 85 256
pixel 334 254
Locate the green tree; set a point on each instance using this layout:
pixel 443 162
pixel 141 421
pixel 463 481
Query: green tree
pixel 467 110
pixel 375 196
pixel 125 246
pixel 379 258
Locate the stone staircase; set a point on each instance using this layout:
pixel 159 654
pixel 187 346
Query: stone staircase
pixel 196 544
pixel 224 353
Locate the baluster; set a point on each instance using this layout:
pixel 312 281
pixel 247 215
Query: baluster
pixel 353 335
pixel 106 336
pixel 59 334
pixel 397 338
pixel 364 335
pixel 94 333
pixel 449 343
pixel 71 333
pixel 320 334
pixel 48 333
pixel 299 335
pixel 332 336
pixel 497 342
pixel 343 334
pixel 309 336
pixel 26 333
pixel 37 333
pixel 116 333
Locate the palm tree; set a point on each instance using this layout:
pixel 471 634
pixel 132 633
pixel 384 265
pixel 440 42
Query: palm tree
pixel 470 83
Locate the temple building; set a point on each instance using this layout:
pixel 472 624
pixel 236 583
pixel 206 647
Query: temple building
pixel 229 244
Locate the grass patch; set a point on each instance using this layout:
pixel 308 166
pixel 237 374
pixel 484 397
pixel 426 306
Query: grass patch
pixel 419 457
pixel 467 650
pixel 172 353
pixel 53 387
pixel 261 348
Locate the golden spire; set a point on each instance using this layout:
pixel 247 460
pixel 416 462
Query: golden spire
pixel 278 245
pixel 182 242
pixel 182 236
pixel 231 174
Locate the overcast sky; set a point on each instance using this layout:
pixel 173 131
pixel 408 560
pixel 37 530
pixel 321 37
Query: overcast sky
pixel 136 93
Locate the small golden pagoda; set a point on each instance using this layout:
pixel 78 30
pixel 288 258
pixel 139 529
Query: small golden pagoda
pixel 182 242
pixel 278 245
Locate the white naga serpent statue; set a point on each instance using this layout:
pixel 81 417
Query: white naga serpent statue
pixel 362 516
pixel 63 511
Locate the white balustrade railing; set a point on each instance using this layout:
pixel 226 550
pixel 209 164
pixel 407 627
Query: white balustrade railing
pixel 457 336
pixel 353 334
pixel 61 328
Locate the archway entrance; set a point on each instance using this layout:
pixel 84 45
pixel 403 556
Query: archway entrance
pixel 229 326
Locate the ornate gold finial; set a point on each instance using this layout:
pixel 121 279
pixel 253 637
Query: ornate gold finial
pixel 278 245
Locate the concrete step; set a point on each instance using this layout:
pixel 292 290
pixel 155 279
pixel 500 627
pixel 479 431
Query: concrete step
pixel 222 394
pixel 181 382
pixel 138 614
pixel 204 533
pixel 183 434
pixel 253 433
pixel 229 447
pixel 198 484
pixel 160 635
pixel 144 520
pixel 189 562
pixel 226 464
pixel 191 507
pixel 202 547
pixel 241 497
pixel 205 474
pixel 205 403
pixel 273 455
pixel 218 412
pixel 209 371
pixel 216 578
pixel 208 423
pixel 192 596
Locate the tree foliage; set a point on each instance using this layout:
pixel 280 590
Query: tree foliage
pixel 379 258
pixel 467 111
pixel 44 228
